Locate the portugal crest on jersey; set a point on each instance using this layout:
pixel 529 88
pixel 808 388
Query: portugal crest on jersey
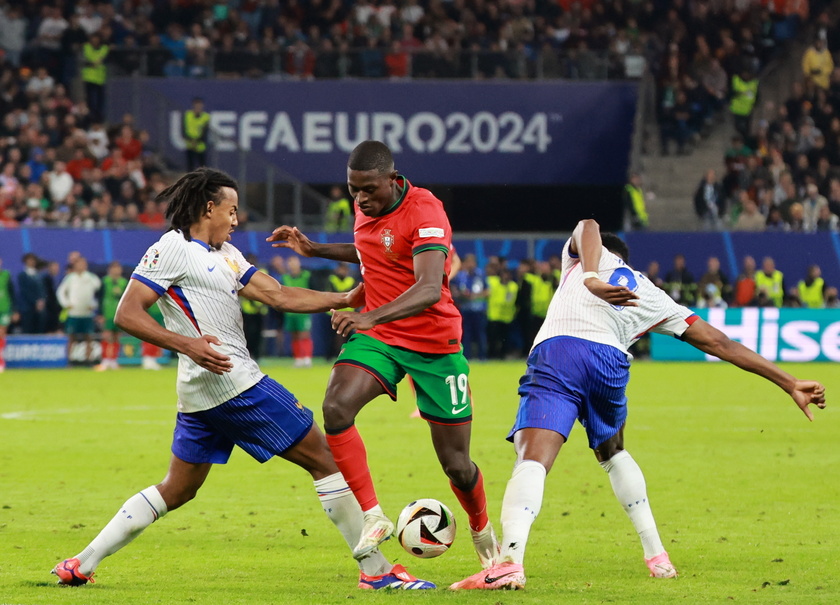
pixel 387 240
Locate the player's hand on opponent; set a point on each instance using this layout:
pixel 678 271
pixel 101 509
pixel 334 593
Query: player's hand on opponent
pixel 355 298
pixel 344 322
pixel 292 238
pixel 806 392
pixel 200 351
pixel 615 295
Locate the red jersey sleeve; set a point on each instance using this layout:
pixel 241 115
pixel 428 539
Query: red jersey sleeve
pixel 430 227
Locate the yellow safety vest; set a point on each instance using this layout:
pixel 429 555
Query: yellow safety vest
pixel 772 285
pixel 338 214
pixel 637 198
pixel 339 284
pixel 194 127
pixel 95 73
pixel 541 293
pixel 812 296
pixel 253 307
pixel 501 302
pixel 743 96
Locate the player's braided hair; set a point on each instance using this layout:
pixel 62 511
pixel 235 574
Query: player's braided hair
pixel 189 195
pixel 371 155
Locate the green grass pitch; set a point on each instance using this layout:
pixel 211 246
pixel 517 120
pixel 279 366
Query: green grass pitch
pixel 745 490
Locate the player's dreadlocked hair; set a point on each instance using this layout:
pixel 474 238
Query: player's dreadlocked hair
pixel 371 155
pixel 616 245
pixel 189 195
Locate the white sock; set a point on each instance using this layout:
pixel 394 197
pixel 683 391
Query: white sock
pixel 520 507
pixel 344 511
pixel 628 484
pixel 139 511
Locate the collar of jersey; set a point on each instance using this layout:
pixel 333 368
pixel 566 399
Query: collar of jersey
pixel 405 187
pixel 205 245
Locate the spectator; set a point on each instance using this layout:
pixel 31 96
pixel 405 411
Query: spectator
pixel 196 134
pixel 796 218
pixel 709 202
pixel 817 63
pixel 339 280
pixel 80 162
pixel 811 290
pixel 13 27
pixel 41 84
pixel 151 216
pixel 832 301
pixel 298 325
pixel 826 220
pixel 775 221
pixel 633 197
pixel 339 213
pixel 77 295
pixel 750 219
pixel 744 89
pixel 680 284
pixel 59 183
pixel 31 296
pixel 652 274
pixel 94 75
pixel 745 287
pixel 714 281
pixel 469 289
pixel 770 282
pixel 812 204
pixel 501 311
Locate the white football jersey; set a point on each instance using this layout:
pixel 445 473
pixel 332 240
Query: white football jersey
pixel 575 311
pixel 198 288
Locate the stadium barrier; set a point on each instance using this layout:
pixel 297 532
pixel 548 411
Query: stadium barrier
pixel 796 335
pixel 793 252
pixel 41 351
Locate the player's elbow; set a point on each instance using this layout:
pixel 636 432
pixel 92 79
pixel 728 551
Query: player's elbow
pixel 589 222
pixel 431 294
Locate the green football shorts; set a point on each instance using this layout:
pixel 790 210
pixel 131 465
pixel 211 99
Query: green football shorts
pixel 441 381
pixel 297 322
pixel 110 326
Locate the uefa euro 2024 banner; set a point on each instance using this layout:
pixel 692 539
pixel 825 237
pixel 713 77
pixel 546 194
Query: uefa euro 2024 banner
pixel 776 334
pixel 452 132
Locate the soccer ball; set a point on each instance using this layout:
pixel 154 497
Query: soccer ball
pixel 426 528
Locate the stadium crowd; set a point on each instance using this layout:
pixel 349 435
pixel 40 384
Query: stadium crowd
pixel 339 38
pixel 782 168
pixel 503 304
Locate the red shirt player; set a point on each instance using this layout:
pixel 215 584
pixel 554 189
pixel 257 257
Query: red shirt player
pixel 409 325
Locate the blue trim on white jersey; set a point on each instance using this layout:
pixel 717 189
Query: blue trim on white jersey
pixel 205 245
pixel 247 277
pixel 145 280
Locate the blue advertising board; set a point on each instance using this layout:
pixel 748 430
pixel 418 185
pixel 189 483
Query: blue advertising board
pixel 42 351
pixel 776 334
pixel 453 132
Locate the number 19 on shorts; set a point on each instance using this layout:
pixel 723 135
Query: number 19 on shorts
pixel 459 390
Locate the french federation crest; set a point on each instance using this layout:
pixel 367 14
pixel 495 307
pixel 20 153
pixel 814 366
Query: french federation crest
pixel 232 264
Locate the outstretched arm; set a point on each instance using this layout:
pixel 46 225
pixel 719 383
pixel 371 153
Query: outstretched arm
pixel 710 340
pixel 294 239
pixel 586 243
pixel 265 289
pixel 426 291
pixel 132 317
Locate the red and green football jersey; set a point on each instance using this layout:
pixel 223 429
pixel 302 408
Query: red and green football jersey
pixel 386 246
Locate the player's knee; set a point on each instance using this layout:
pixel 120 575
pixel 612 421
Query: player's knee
pixel 177 497
pixel 460 472
pixel 336 413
